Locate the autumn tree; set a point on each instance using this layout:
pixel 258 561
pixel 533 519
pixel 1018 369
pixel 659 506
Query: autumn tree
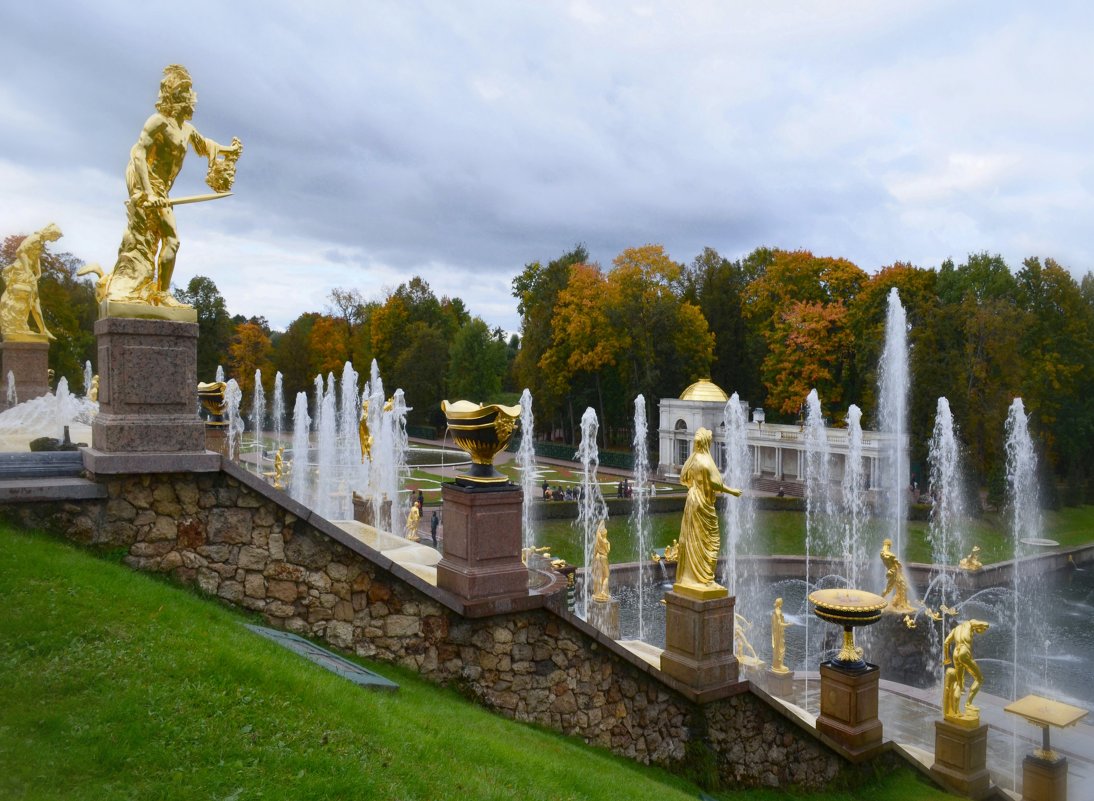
pixel 250 350
pixel 328 346
pixel 477 362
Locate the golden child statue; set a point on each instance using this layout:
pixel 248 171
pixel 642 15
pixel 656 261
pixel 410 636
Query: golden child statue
pixel 146 257
pixel 960 637
pixel 778 639
pixel 20 299
pixel 699 538
pixel 601 549
pixel 895 582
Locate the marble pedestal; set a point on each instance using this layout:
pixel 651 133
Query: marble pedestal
pixel 848 711
pixel 961 758
pixel 147 387
pixel 699 641
pixel 604 616
pixel 1044 780
pixel 29 363
pixel 482 541
pixel 780 683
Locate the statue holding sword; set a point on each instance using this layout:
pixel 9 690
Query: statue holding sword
pixel 146 257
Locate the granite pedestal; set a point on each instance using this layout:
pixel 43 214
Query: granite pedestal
pixel 604 616
pixel 147 386
pixel 961 758
pixel 780 683
pixel 29 363
pixel 482 541
pixel 216 438
pixel 1044 779
pixel 848 711
pixel 699 641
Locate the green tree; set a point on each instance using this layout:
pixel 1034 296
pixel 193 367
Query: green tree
pixel 292 356
pixel 477 363
pixel 214 324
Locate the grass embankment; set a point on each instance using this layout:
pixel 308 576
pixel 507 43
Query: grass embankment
pixel 784 533
pixel 119 686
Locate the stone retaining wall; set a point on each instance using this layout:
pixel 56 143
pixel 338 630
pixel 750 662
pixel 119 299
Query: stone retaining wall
pixel 234 538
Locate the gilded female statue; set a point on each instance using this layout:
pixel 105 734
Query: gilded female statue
pixel 778 638
pixel 412 519
pixel 20 299
pixel 895 582
pixel 699 539
pixel 601 548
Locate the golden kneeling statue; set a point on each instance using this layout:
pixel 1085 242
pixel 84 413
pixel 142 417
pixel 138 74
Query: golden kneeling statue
pixel 146 257
pixel 960 638
pixel 601 549
pixel 778 639
pixel 895 582
pixel 742 648
pixel 20 299
pixel 972 561
pixel 700 542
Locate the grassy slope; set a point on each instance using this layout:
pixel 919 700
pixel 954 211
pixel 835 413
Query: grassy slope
pixel 119 686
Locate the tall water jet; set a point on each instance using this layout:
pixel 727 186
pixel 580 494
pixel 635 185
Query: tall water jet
pixel 258 409
pixel 947 492
pixel 893 419
pixel 739 517
pixel 855 511
pixel 87 377
pixel 326 448
pixel 219 374
pixel 349 443
pixel 591 507
pixel 233 397
pixel 277 412
pixel 640 507
pixel 526 463
pixel 818 497
pixel 389 462
pixel 317 406
pixel 13 396
pixel 298 485
pixel 378 466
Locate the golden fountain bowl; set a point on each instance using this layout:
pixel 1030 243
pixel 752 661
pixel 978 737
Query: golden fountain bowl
pixel 848 608
pixel 482 431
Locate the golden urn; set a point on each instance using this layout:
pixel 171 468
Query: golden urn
pixel 211 396
pixel 482 431
pixel 848 608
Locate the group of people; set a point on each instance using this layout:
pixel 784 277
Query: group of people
pixel 557 493
pixel 623 489
pixel 415 515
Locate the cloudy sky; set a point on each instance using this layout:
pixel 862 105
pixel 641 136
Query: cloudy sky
pixel 460 141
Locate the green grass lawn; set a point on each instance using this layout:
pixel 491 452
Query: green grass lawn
pixel 119 686
pixel 784 533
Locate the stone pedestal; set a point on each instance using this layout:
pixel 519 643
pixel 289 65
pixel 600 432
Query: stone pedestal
pixel 961 758
pixel 29 363
pixel 216 438
pixel 482 541
pixel 604 616
pixel 699 641
pixel 779 683
pixel 147 387
pixel 849 707
pixel 364 513
pixel 1044 780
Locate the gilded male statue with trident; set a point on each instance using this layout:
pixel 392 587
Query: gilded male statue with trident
pixel 146 257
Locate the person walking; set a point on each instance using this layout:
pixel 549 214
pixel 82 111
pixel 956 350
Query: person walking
pixel 433 523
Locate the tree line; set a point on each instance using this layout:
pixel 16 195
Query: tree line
pixel 769 326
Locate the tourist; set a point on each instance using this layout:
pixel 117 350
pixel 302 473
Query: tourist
pixel 433 523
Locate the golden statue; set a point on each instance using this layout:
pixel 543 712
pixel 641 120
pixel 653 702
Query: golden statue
pixel 954 686
pixel 895 582
pixel 601 569
pixel 699 539
pixel 778 639
pixel 412 522
pixel 972 561
pixel 742 648
pixel 20 298
pixel 146 257
pixel 93 392
pixel 363 434
pixel 279 467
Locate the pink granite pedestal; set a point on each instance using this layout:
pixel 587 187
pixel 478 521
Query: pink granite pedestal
pixel 29 363
pixel 147 399
pixel 482 541
pixel 961 758
pixel 849 703
pixel 699 642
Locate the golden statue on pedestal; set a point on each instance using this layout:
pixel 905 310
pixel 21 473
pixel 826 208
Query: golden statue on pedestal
pixel 20 299
pixel 363 434
pixel 960 637
pixel 895 582
pixel 146 257
pixel 699 538
pixel 778 639
pixel 972 561
pixel 93 391
pixel 601 568
pixel 742 648
pixel 279 468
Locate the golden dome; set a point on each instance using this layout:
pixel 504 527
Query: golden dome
pixel 704 390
